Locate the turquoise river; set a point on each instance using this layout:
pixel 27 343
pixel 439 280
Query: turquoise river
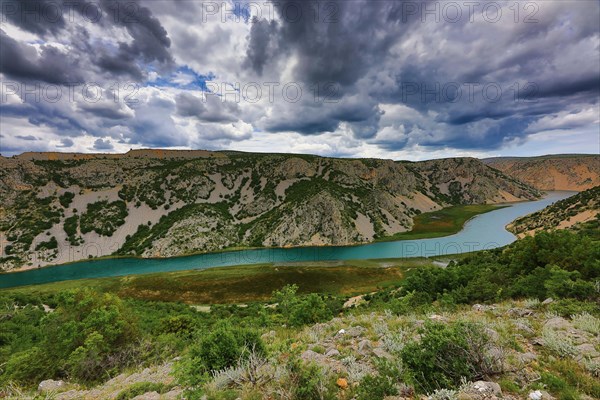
pixel 484 231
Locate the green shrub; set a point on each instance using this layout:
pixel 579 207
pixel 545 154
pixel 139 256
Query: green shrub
pixel 66 198
pixel 310 382
pixel 103 217
pixel 28 367
pixel 182 325
pixel 382 384
pixel 300 310
pixel 221 348
pixel 48 245
pixel 448 353
pixel 568 307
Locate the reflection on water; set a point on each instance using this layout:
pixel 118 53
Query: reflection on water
pixel 485 231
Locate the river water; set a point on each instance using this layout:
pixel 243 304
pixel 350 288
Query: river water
pixel 485 231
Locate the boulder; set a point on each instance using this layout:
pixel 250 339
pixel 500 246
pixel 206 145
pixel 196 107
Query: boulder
pixel 587 350
pixel 438 318
pixel 50 385
pixel 332 353
pixel 355 331
pixel 487 387
pixel 558 323
pixel 547 301
pixel 312 356
pixel 520 312
pixel 492 334
pixel 268 335
pixel 480 390
pixel 364 347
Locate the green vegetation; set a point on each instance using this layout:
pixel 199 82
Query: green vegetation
pixel 47 245
pixel 70 226
pixel 103 217
pixel 30 217
pixel 560 212
pixel 65 199
pixel 243 284
pixel 559 264
pixel 444 222
pixel 447 354
pixel 222 348
pixel 253 349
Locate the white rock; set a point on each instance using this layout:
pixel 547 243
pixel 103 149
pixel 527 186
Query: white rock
pixel 341 332
pixel 50 385
pixel 537 395
pixel 487 387
pixel 547 301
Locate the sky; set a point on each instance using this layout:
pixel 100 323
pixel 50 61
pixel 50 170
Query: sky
pixel 355 78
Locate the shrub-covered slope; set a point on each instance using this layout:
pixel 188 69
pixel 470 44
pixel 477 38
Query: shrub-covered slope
pixel 567 213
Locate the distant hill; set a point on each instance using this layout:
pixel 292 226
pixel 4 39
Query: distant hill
pixel 554 172
pixel 58 207
pixel 568 213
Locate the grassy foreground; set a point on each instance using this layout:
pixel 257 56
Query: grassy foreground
pixel 438 332
pixel 247 283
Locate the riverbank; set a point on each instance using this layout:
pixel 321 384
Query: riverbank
pixel 248 283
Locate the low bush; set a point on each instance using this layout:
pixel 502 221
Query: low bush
pixel 300 310
pixel 446 354
pixel 223 347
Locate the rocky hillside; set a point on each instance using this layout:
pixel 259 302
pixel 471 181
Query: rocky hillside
pixel 567 213
pixel 556 172
pixel 56 208
pixel 522 342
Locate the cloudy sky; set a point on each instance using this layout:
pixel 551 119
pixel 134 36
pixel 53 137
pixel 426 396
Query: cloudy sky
pixel 353 78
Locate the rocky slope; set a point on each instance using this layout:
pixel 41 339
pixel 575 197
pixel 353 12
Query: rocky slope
pixel 568 213
pixel 60 207
pixel 527 341
pixel 556 172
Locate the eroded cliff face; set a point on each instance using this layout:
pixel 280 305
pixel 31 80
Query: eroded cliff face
pixel 566 172
pixel 56 208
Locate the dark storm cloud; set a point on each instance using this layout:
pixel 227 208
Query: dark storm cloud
pixel 66 143
pixel 149 39
pixel 36 16
pixel 212 109
pixel 22 62
pixel 353 51
pixel 260 43
pixel 100 144
pixel 572 86
pixel 28 137
pixel 343 41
